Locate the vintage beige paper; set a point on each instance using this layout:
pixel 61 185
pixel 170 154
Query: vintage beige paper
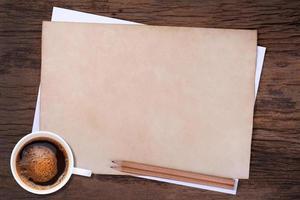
pixel 169 96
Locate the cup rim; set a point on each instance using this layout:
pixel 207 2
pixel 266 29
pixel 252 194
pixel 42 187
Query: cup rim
pixel 26 139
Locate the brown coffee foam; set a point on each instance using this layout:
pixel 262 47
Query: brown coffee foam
pixel 38 163
pixel 43 168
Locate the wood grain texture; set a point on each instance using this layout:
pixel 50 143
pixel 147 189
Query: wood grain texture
pixel 275 162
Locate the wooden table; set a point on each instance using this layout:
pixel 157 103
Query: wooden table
pixel 275 162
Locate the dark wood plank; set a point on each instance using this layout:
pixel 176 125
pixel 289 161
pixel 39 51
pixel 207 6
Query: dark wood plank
pixel 275 163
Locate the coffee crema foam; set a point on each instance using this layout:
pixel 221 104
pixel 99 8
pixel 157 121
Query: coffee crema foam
pixel 42 163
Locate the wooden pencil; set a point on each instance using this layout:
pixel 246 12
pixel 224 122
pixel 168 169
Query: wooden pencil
pixel 173 174
pixel 139 172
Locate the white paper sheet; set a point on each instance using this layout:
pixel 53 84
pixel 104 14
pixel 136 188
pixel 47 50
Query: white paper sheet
pixel 259 65
pixel 66 15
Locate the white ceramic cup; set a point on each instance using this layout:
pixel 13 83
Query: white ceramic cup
pixel 71 169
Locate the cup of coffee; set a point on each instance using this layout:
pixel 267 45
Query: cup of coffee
pixel 42 163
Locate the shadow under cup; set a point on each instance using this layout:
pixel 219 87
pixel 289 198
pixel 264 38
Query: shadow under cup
pixel 42 162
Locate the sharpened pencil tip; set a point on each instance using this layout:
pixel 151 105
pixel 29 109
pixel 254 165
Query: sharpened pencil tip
pixel 116 162
pixel 114 167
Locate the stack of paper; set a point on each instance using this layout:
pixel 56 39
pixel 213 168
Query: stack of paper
pixel 169 96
